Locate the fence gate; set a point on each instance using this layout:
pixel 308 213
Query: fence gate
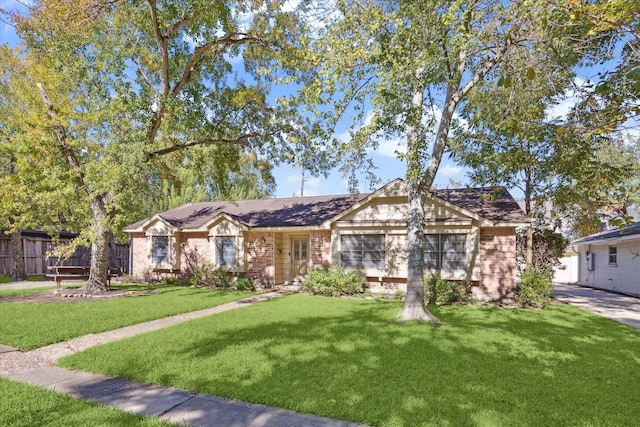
pixel 35 255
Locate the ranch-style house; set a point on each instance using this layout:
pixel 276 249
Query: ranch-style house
pixel 470 235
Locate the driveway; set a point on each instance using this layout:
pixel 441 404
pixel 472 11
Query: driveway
pixel 621 308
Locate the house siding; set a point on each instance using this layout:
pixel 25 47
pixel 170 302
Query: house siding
pixel 619 277
pixel 497 264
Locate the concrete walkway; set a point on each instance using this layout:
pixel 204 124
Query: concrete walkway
pixel 621 308
pixel 171 404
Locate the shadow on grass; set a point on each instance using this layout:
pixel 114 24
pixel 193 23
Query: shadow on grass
pixel 349 360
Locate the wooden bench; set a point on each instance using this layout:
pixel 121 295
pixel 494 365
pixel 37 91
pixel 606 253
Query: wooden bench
pixel 71 272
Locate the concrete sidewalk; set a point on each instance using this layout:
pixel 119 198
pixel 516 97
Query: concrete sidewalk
pixel 171 404
pixel 621 308
pixel 175 405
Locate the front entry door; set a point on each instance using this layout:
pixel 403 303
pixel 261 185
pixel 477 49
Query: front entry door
pixel 299 257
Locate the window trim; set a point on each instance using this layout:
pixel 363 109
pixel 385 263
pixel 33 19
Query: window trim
pixel 166 260
pixel 441 252
pixel 613 255
pixel 363 252
pixel 217 251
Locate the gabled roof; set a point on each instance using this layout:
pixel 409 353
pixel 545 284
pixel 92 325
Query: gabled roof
pixel 627 232
pixel 494 204
pixel 288 212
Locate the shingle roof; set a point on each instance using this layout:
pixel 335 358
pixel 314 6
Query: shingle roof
pixel 629 230
pixel 494 204
pixel 288 212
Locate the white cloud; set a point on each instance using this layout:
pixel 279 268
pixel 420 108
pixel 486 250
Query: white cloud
pixel 450 171
pixel 563 107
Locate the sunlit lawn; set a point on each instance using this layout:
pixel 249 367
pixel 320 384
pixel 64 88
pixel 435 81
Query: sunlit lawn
pixel 349 360
pixel 30 325
pixel 27 405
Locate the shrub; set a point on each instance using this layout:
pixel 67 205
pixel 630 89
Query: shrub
pixel 173 281
pixel 440 291
pixel 244 284
pixel 333 281
pixel 534 289
pixel 206 275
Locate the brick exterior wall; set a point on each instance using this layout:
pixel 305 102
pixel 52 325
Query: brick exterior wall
pixel 320 242
pixel 497 265
pixel 139 255
pixel 260 258
pixel 195 249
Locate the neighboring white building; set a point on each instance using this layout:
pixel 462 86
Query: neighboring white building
pixel 611 260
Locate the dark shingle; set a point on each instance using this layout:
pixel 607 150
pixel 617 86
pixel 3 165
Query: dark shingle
pixel 492 203
pixel 628 230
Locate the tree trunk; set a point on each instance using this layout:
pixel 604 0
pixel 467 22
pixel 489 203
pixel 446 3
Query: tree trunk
pixel 414 308
pixel 527 208
pixel 19 268
pixel 97 283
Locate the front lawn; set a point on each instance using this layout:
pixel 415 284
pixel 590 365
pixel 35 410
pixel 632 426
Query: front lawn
pixel 27 405
pixel 348 359
pixel 30 325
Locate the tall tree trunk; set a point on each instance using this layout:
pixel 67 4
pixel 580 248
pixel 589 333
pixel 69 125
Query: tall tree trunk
pixel 17 250
pixel 414 308
pixel 97 283
pixel 527 208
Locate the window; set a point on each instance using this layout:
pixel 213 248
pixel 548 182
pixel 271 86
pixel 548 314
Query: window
pixel 362 250
pixel 160 249
pixel 225 250
pixel 613 255
pixel 445 251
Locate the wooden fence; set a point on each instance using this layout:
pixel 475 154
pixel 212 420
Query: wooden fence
pixel 36 247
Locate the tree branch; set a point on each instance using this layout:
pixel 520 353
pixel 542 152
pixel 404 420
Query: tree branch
pixel 198 55
pixel 202 141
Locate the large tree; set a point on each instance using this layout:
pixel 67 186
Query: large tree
pixel 102 94
pixel 403 69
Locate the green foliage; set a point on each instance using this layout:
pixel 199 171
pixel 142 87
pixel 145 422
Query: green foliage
pixel 207 275
pixel 5 279
pixel 172 281
pixel 534 289
pixel 130 88
pixel 440 291
pixel 547 248
pixel 244 284
pixel 37 278
pixel 333 281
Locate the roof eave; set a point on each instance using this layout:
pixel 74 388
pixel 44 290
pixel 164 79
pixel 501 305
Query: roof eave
pixel 606 240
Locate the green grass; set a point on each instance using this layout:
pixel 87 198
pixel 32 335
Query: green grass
pixel 349 360
pixel 27 405
pixel 4 293
pixel 29 325
pixel 5 279
pixel 37 278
